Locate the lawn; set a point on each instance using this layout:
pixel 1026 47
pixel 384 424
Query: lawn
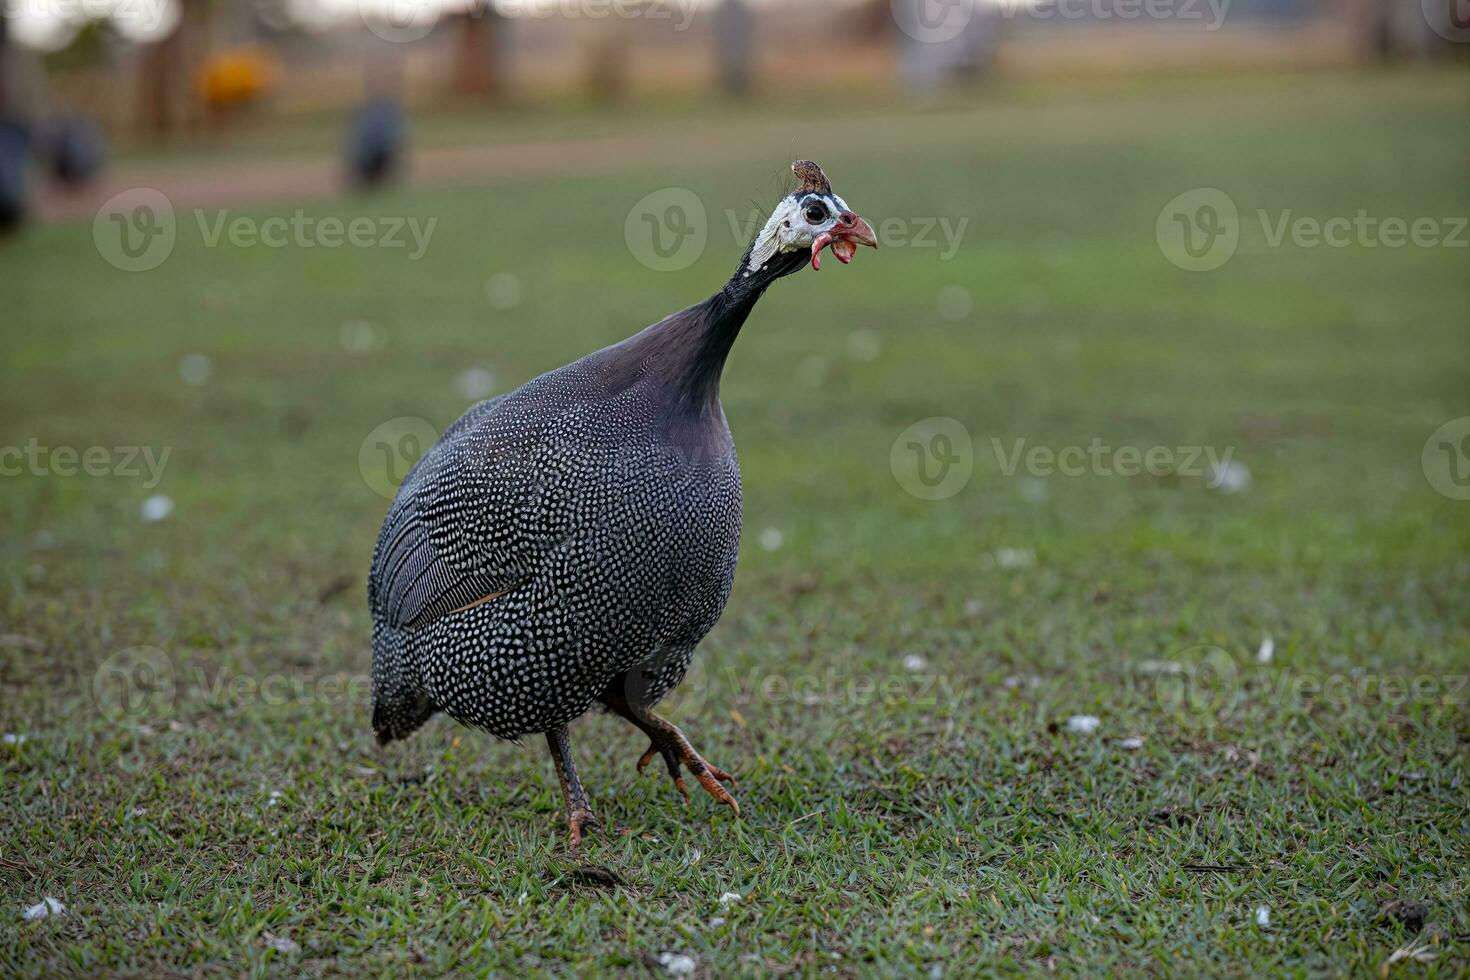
pixel 900 683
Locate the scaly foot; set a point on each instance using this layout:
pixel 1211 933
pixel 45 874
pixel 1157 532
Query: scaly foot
pixel 579 813
pixel 664 739
pixel 581 820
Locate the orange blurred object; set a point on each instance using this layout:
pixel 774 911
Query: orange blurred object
pixel 236 76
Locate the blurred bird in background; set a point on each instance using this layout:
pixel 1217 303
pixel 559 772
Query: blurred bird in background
pixel 74 149
pixel 375 143
pixel 571 542
pixel 15 158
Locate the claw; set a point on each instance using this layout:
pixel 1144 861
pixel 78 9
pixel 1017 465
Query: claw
pixel 709 778
pixel 579 821
pixel 677 752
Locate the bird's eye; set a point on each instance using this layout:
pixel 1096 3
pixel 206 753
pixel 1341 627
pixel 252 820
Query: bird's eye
pixel 816 214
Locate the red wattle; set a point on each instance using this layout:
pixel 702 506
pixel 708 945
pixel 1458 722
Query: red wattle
pixel 823 240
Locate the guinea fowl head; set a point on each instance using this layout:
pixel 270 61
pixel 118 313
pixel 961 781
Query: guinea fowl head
pixel 807 220
pixel 688 348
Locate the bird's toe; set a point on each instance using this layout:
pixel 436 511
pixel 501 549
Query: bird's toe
pixel 710 779
pixel 581 822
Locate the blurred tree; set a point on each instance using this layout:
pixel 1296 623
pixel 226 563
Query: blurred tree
pixel 735 46
pixel 20 69
pixel 166 97
pixel 944 41
pixel 1388 30
pixel 478 51
pixel 1372 29
pixel 604 44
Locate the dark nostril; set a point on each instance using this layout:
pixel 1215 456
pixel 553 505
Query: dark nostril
pixel 848 217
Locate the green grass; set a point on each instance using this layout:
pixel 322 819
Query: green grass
pixel 894 820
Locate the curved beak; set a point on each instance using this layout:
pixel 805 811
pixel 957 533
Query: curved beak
pixel 851 231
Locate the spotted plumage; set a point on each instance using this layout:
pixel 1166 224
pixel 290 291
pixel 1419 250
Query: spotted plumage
pixel 571 542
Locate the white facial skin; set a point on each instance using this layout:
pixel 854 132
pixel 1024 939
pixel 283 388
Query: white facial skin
pixel 797 222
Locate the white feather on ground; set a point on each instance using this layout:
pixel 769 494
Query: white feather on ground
pixel 43 908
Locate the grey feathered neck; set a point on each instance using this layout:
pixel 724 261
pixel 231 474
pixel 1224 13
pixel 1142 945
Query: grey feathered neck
pixel 688 349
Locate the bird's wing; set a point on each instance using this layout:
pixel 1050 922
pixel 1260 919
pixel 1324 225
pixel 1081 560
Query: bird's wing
pixel 457 532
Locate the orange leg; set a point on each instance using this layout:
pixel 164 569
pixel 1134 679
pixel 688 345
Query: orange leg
pixel 665 739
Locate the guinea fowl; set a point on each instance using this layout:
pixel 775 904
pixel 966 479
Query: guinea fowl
pixel 571 542
pixel 15 155
pixel 375 143
pixel 75 150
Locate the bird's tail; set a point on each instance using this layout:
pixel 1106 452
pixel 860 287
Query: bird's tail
pixel 400 705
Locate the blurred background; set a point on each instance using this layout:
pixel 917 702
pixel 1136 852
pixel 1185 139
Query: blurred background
pixel 1162 360
pixel 80 76
pixel 1207 219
